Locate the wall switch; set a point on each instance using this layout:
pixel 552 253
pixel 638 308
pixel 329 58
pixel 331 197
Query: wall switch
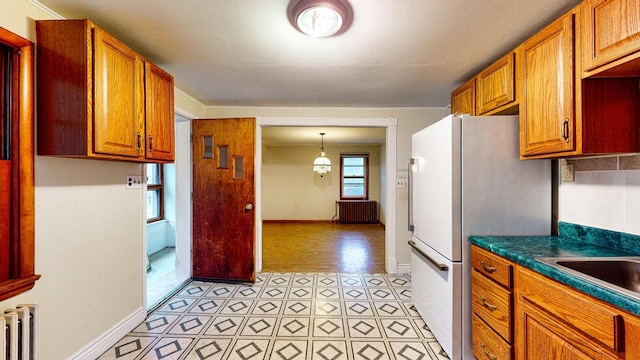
pixel 400 183
pixel 568 173
pixel 134 182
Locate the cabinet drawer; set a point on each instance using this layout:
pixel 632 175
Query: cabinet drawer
pixel 486 344
pixel 492 303
pixel 590 316
pixel 493 266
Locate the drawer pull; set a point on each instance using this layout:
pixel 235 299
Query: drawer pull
pixel 488 305
pixel 486 352
pixel 487 268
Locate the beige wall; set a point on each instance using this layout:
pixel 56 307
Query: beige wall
pixel 292 191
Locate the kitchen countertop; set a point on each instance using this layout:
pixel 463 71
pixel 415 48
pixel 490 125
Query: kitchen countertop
pixel 573 241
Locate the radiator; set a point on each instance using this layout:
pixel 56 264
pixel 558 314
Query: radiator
pixel 357 211
pixel 21 334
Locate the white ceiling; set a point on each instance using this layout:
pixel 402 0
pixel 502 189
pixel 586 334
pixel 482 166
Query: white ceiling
pixel 397 53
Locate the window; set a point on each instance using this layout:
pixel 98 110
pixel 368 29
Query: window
pixel 354 176
pixel 17 237
pixel 155 192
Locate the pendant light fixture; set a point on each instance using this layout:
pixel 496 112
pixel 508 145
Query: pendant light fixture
pixel 322 164
pixel 320 18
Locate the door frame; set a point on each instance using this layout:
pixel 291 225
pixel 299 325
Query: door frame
pixel 391 124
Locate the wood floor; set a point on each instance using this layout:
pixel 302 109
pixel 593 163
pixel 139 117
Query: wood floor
pixel 322 248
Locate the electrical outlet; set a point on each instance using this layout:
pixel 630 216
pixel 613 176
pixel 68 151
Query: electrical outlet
pixel 568 173
pixel 400 183
pixel 134 182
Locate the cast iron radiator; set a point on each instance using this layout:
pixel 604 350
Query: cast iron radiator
pixel 357 211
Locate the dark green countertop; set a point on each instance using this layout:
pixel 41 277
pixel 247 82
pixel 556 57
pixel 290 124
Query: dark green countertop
pixel 573 241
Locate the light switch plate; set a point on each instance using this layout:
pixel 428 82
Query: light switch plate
pixel 134 182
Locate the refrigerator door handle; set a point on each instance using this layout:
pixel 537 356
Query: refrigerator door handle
pixel 441 267
pixel 412 161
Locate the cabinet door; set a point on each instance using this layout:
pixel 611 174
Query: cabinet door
pixel 463 99
pixel 543 337
pixel 610 31
pixel 547 119
pixel 495 85
pixel 118 99
pixel 159 114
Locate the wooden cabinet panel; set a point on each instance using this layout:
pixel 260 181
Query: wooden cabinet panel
pixel 547 119
pixel 492 303
pixel 463 99
pixel 159 114
pixel 118 78
pixel 577 317
pixel 98 98
pixel 611 30
pixel 495 85
pixel 486 344
pixel 493 266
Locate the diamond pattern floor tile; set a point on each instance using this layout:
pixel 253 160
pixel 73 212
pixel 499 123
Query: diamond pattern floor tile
pixel 286 317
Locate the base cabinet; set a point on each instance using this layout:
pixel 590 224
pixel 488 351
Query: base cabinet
pixel 544 319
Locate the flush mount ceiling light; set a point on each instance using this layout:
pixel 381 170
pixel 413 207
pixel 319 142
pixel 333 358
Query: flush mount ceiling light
pixel 322 164
pixel 320 18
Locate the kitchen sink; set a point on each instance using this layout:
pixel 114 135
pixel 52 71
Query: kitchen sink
pixel 620 274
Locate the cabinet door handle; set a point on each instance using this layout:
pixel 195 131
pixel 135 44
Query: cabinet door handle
pixel 488 305
pixel 565 130
pixel 487 268
pixel 139 140
pixel 150 143
pixel 486 352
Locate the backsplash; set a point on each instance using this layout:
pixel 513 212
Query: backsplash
pixel 605 194
pixel 607 238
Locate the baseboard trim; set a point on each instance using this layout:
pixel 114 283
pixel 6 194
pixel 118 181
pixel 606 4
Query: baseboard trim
pixel 404 268
pixel 295 221
pixel 110 337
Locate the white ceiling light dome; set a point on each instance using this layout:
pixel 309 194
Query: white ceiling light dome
pixel 320 18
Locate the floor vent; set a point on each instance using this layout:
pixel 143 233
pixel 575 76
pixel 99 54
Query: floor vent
pixel 20 340
pixel 357 211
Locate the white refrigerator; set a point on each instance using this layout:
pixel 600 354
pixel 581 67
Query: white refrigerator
pixel 465 178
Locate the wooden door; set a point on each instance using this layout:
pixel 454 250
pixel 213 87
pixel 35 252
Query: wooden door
pixel 223 199
pixel 118 124
pixel 547 119
pixel 159 121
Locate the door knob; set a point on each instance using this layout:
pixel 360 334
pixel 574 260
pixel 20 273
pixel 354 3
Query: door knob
pixel 248 207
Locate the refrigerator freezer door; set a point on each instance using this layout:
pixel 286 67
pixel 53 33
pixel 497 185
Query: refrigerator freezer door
pixel 436 295
pixel 436 187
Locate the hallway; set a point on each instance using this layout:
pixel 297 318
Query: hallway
pixel 286 316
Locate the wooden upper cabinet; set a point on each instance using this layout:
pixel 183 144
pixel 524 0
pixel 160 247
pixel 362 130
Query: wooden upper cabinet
pixel 495 85
pixel 463 99
pixel 611 31
pixel 98 98
pixel 548 117
pixel 160 137
pixel 119 102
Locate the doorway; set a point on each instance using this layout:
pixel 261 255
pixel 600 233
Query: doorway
pixel 388 202
pixel 169 238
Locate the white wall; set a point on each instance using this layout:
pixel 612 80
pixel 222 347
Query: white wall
pixel 603 195
pixel 292 191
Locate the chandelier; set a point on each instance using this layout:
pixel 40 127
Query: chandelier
pixel 322 164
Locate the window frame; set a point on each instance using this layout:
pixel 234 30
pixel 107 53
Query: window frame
pixel 365 177
pixel 160 189
pixel 22 219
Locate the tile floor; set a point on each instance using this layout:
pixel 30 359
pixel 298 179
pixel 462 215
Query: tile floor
pixel 161 278
pixel 286 316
